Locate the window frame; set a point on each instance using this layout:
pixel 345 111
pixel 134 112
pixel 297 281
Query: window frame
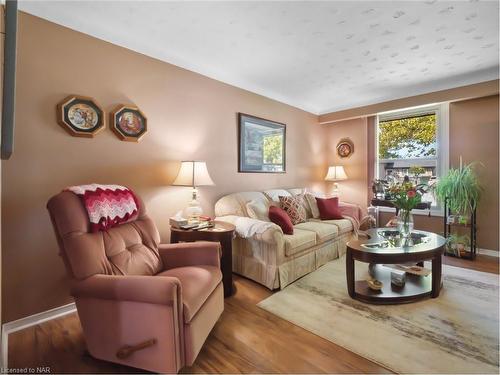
pixel 442 143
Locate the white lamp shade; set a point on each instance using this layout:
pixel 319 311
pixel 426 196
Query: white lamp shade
pixel 193 173
pixel 336 173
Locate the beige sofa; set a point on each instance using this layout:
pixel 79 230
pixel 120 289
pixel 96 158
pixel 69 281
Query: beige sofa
pixel 274 259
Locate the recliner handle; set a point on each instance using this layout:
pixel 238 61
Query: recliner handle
pixel 126 351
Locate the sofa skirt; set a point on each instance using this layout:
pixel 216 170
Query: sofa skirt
pixel 262 262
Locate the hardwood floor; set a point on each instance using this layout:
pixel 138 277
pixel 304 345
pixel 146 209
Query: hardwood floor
pixel 246 339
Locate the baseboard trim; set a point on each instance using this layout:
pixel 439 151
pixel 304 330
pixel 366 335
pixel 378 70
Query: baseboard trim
pixel 17 325
pixel 491 253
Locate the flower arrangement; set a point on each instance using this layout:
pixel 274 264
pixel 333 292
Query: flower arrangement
pixel 405 195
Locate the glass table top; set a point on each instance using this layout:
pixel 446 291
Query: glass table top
pixel 392 239
pixel 389 241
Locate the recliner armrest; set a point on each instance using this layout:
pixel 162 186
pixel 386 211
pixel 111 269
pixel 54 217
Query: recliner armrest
pixel 161 290
pixel 190 254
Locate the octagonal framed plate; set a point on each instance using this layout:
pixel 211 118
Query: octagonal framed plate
pixel 345 148
pixel 129 123
pixel 80 116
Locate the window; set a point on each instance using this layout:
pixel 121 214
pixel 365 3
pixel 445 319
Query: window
pixel 413 143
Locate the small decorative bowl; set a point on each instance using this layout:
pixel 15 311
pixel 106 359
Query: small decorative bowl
pixel 375 284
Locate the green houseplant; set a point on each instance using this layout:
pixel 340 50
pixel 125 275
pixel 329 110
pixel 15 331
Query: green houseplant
pixel 462 189
pixel 457 244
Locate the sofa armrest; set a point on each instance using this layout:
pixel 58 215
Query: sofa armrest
pixel 271 235
pixel 190 254
pixel 161 290
pixel 231 219
pixel 351 209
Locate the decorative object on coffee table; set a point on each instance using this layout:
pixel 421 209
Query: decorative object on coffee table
pixel 398 278
pixel 374 284
pixel 345 148
pixel 128 123
pixel 261 145
pixel 80 116
pixel 221 232
pixel 405 197
pixel 384 246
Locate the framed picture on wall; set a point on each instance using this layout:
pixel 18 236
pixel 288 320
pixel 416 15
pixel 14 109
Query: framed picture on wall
pixel 129 123
pixel 80 116
pixel 345 148
pixel 261 145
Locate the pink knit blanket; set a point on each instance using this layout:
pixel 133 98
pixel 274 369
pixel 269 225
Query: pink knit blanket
pixel 107 205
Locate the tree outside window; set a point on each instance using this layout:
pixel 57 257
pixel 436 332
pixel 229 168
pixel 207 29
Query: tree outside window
pixel 272 149
pixel 408 138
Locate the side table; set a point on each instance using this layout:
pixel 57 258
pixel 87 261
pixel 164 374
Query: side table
pixel 223 233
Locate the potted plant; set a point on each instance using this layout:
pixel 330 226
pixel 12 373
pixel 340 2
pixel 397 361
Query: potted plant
pixel 461 187
pixel 457 244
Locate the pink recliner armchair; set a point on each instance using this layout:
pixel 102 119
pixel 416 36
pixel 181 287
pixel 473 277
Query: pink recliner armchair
pixel 140 303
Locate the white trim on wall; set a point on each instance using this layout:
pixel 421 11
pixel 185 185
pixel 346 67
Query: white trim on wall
pixel 32 320
pixel 491 253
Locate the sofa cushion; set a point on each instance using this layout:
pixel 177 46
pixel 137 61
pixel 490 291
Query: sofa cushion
pixel 324 232
pixel 258 209
pixel 294 207
pixel 296 191
pixel 197 282
pixel 298 241
pixel 235 204
pixel 279 217
pixel 274 194
pixel 329 208
pixel 343 225
pixel 313 205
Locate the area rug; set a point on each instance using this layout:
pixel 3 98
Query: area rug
pixel 454 333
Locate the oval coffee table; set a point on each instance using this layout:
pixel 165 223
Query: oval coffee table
pixel 383 246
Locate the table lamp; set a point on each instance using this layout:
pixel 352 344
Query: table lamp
pixel 336 173
pixel 193 174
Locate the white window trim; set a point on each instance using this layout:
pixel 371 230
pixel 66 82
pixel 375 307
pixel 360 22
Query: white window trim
pixel 442 111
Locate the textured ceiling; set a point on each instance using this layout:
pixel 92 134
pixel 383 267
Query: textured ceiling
pixel 319 56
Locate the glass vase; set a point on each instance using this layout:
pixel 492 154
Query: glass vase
pixel 405 223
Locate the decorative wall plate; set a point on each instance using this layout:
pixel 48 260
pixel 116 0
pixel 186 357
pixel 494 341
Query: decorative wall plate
pixel 80 116
pixel 345 148
pixel 129 123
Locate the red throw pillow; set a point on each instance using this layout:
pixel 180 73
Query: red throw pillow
pixel 280 217
pixel 329 208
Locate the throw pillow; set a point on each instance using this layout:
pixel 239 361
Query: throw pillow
pixel 313 205
pixel 294 207
pixel 258 209
pixel 281 218
pixel 329 208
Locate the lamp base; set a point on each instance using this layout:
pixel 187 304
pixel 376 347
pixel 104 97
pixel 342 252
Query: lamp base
pixel 193 210
pixel 335 191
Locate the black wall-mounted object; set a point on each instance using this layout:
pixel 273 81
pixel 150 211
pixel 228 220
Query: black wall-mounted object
pixel 9 79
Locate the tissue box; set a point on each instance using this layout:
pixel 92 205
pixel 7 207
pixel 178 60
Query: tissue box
pixel 398 278
pixel 177 222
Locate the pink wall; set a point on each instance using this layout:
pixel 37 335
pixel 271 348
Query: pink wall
pixel 355 188
pixel 474 134
pixel 189 116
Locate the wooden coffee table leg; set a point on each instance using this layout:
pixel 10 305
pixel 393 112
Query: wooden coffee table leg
pixel 349 266
pixel 436 276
